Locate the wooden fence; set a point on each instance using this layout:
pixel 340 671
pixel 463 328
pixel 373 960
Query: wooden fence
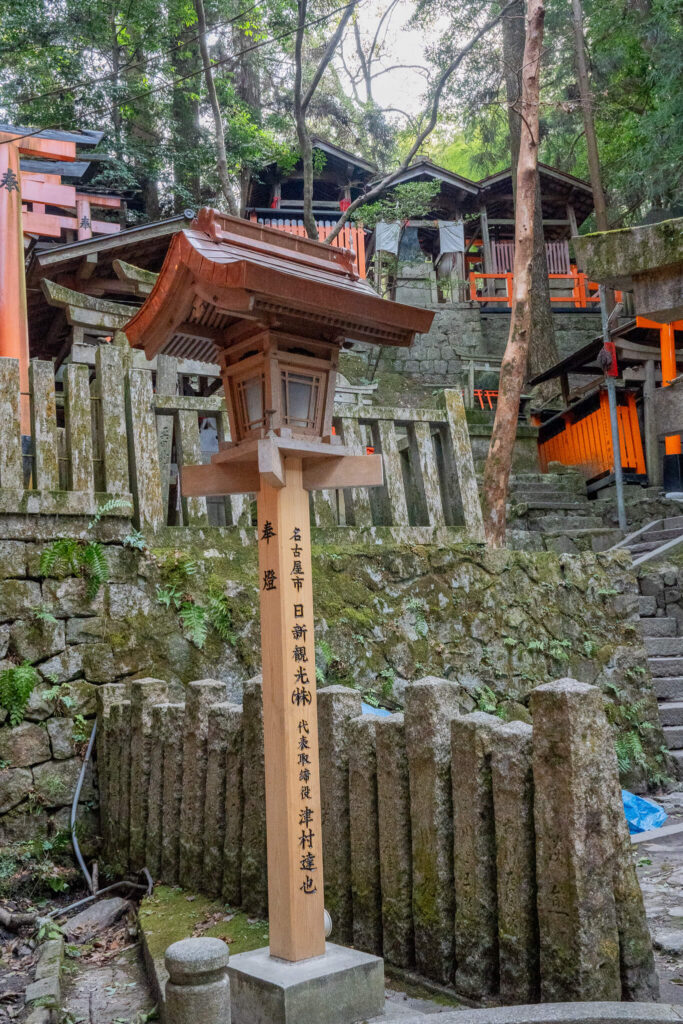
pixel 113 434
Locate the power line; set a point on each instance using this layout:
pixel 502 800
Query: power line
pixel 133 64
pixel 200 71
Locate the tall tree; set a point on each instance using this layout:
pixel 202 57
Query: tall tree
pixel 585 92
pixel 222 160
pixel 513 366
pixel 542 346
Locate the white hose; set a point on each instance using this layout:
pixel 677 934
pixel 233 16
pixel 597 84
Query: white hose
pixel 74 808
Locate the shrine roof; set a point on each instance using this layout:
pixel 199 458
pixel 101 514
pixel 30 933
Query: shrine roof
pixel 222 270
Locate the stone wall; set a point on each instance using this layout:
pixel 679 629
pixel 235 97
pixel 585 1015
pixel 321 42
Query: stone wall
pixel 461 331
pixel 391 606
pixel 474 851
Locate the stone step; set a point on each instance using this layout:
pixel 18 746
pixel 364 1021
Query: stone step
pixel 647 605
pixel 673 734
pixel 668 687
pixel 659 627
pixel 664 646
pixel 666 666
pixel 678 758
pixel 671 712
pixel 561 503
pixel 640 547
pixel 547 524
pixel 662 536
pixel 673 523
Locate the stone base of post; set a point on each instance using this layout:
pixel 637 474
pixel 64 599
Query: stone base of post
pixel 342 986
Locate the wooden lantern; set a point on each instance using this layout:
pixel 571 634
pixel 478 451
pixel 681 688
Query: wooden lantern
pixel 274 310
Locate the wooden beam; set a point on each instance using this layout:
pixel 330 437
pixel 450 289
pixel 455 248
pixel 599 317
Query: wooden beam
pixel 86 267
pixel 218 479
pixel 345 471
pixel 271 464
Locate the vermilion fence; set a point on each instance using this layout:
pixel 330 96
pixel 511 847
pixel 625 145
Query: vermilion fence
pixel 582 437
pixel 350 237
pixel 584 293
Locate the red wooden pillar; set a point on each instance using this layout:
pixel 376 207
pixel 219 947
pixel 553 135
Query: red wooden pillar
pixel 13 315
pixel 672 443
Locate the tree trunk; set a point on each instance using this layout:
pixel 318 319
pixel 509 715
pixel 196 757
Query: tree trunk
pixel 542 346
pixel 300 104
pixel 185 123
pixel 221 157
pixel 513 367
pixel 588 123
pixel 248 86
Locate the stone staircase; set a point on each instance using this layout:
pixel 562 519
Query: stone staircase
pixel 657 538
pixel 665 656
pixel 556 506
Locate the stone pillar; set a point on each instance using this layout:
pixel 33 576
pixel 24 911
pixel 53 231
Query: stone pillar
pixel 107 696
pixel 155 794
pixel 198 988
pixel 234 811
pixel 513 805
pixel 120 780
pixel 222 721
pixel 254 871
pixel 579 941
pixel 200 696
pixel 337 705
pixel 395 852
pixel 171 725
pixel 474 856
pixel 144 693
pixel 364 830
pixel 430 704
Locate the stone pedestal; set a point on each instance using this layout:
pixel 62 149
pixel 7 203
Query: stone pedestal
pixel 342 986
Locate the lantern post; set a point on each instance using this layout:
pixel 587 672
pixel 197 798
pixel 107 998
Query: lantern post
pixel 273 311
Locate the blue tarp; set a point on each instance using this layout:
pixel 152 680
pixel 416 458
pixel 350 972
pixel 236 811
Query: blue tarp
pixel 369 710
pixel 641 814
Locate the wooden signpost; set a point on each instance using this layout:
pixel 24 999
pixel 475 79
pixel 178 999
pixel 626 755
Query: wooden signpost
pixel 273 311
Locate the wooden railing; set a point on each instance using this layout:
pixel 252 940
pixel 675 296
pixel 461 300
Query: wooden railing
pixel 580 292
pixel 121 439
pixel 350 237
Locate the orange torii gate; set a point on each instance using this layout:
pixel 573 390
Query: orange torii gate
pixel 18 188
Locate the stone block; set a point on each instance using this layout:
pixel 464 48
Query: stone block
pixel 35 639
pixel 337 705
pixel 144 694
pixel 18 598
pixel 95 918
pixel 68 597
pixel 513 802
pixel 474 855
pixel 107 696
pixel 126 600
pixel 200 696
pixel 45 989
pixel 364 830
pixel 66 665
pixel 55 782
pixel 87 630
pixel 395 855
pixel 4 639
pixel 83 695
pixel 431 704
pixel 61 733
pixel 50 956
pixel 12 558
pixel 15 784
pixel 118 786
pixel 234 811
pixel 579 940
pixel 24 745
pixel 169 722
pixel 254 881
pixel 340 987
pixel 225 730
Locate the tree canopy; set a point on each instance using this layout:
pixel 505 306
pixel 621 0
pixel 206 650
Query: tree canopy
pixel 136 71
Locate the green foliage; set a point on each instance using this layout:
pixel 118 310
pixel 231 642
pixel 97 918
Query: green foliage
pixel 486 699
pixel 195 622
pixel 107 507
pixel 413 199
pixel 16 686
pixel 135 539
pixel 69 557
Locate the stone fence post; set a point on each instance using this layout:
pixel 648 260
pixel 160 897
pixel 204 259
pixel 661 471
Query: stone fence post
pixel 198 988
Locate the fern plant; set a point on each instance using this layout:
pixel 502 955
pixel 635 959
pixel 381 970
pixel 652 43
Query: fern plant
pixel 16 686
pixel 195 623
pixel 107 507
pixel 69 557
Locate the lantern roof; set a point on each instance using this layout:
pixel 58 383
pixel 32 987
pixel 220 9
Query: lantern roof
pixel 224 270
